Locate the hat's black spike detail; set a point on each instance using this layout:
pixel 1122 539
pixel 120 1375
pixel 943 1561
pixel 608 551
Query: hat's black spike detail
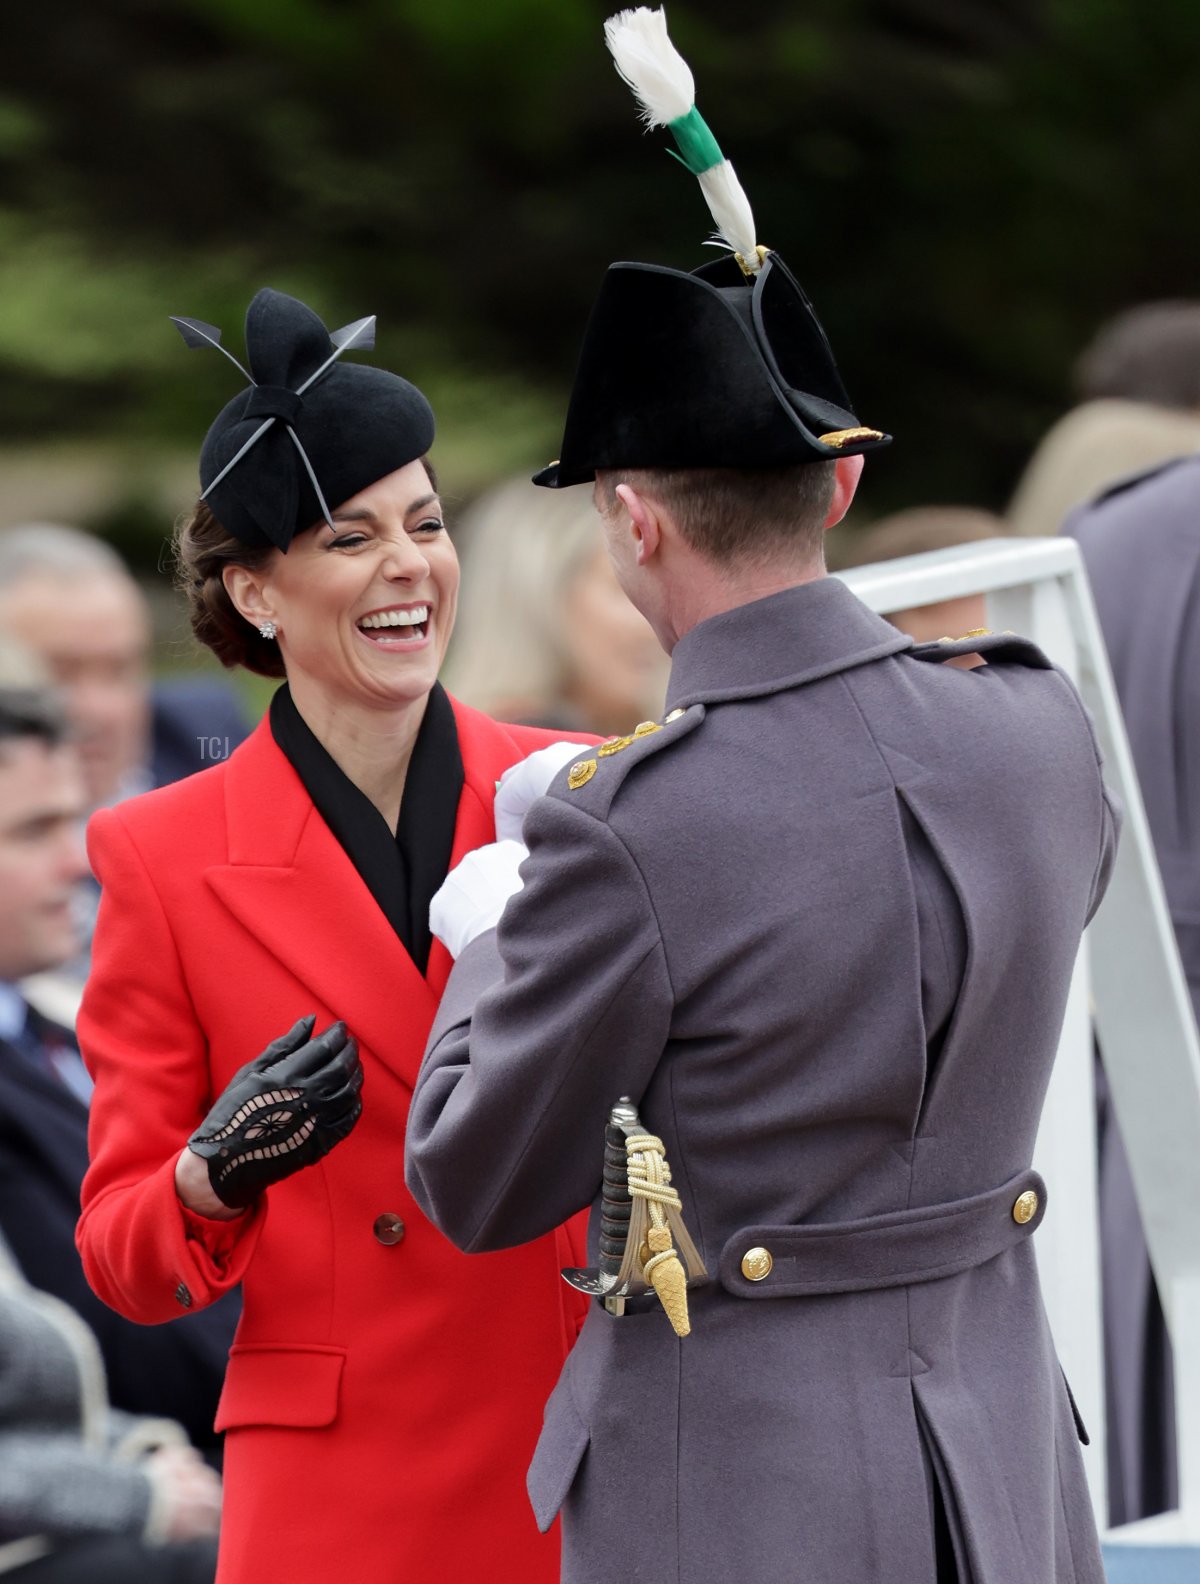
pixel 360 336
pixel 233 461
pixel 312 478
pixel 198 334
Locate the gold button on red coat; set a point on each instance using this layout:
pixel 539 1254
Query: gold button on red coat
pixel 389 1229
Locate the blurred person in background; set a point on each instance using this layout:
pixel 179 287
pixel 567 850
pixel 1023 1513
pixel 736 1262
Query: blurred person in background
pixel 89 1495
pixel 69 597
pixel 914 532
pixel 44 1087
pixel 385 1392
pixel 1141 545
pixel 547 637
pixel 1139 388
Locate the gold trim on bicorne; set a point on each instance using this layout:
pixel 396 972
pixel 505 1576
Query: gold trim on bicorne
pixel 580 774
pixel 840 437
pixel 614 745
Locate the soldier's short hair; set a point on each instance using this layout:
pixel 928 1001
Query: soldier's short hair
pixel 738 514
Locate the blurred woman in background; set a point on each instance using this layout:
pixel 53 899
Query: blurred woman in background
pixel 546 636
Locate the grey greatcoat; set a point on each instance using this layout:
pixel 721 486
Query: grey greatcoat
pixel 1141 544
pixel 820 927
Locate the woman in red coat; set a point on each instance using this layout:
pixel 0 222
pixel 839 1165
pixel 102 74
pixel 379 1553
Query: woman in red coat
pixel 384 1392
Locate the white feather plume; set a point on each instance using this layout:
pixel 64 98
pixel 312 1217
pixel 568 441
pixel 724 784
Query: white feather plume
pixel 731 210
pixel 661 79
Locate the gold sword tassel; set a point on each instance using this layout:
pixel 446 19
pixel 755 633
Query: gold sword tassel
pixel 656 1227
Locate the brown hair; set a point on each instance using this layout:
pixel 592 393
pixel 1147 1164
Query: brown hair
pixel 202 549
pixel 736 514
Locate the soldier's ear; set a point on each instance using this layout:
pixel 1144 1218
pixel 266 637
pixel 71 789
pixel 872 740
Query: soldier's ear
pixel 846 473
pixel 644 525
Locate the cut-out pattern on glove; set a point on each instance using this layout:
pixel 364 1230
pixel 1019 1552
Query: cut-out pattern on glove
pixel 281 1112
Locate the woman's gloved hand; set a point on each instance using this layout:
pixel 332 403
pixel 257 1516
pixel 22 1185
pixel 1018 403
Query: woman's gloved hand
pixel 523 783
pixel 282 1111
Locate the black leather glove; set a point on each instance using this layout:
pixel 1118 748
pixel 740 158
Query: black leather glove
pixel 282 1111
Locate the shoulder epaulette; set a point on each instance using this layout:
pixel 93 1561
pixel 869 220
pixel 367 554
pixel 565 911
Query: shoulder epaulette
pixel 994 647
pixel 595 777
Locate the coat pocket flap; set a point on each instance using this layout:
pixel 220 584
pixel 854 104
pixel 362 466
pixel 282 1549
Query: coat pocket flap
pixel 280 1386
pixel 557 1456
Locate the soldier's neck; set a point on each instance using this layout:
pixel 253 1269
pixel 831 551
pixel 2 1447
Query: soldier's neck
pixel 714 590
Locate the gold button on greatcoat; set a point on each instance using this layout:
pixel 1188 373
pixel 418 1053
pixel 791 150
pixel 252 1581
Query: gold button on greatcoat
pixel 389 1229
pixel 614 745
pixel 757 1264
pixel 1025 1208
pixel 646 728
pixel 676 714
pixel 580 774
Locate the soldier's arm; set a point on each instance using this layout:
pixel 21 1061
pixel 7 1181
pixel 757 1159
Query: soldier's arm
pixel 544 1024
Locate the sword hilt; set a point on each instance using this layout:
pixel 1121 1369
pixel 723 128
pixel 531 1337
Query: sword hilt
pixel 616 1203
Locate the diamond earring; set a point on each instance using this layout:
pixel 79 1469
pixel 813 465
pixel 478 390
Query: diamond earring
pixel 267 629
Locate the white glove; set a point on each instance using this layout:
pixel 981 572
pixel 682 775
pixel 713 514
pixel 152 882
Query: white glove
pixel 522 784
pixel 472 896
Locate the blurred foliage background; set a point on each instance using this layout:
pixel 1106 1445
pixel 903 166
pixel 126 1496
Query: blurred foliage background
pixel 966 188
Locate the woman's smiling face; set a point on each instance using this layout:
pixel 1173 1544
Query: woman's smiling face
pixel 363 609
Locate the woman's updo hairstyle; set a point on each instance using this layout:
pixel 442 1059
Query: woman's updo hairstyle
pixel 202 550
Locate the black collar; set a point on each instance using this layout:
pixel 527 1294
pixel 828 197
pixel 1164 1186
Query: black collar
pixel 402 871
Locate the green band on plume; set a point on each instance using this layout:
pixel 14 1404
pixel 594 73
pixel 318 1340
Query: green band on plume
pixel 698 148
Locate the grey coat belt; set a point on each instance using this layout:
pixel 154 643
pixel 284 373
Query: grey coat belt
pixel 893 1250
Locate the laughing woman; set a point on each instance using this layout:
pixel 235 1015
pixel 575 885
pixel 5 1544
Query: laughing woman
pixel 384 1392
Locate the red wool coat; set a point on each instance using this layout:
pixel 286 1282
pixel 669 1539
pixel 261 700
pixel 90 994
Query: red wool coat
pixel 385 1392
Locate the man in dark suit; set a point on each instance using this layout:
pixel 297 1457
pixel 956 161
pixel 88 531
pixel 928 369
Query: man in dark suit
pixel 171 1371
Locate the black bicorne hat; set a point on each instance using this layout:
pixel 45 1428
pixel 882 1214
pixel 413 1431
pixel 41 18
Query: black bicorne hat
pixel 709 369
pixel 311 431
pixel 727 367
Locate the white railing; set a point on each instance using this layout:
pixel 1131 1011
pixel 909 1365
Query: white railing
pixel 1129 976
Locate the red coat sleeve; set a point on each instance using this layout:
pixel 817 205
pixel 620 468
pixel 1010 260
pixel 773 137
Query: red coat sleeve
pixel 144 1253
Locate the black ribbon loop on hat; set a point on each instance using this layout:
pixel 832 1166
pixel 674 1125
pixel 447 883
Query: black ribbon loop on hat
pixel 274 401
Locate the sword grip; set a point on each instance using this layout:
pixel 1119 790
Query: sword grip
pixel 615 1201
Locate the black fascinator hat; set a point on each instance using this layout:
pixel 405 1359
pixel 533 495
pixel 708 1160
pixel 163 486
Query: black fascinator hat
pixel 725 367
pixel 311 430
